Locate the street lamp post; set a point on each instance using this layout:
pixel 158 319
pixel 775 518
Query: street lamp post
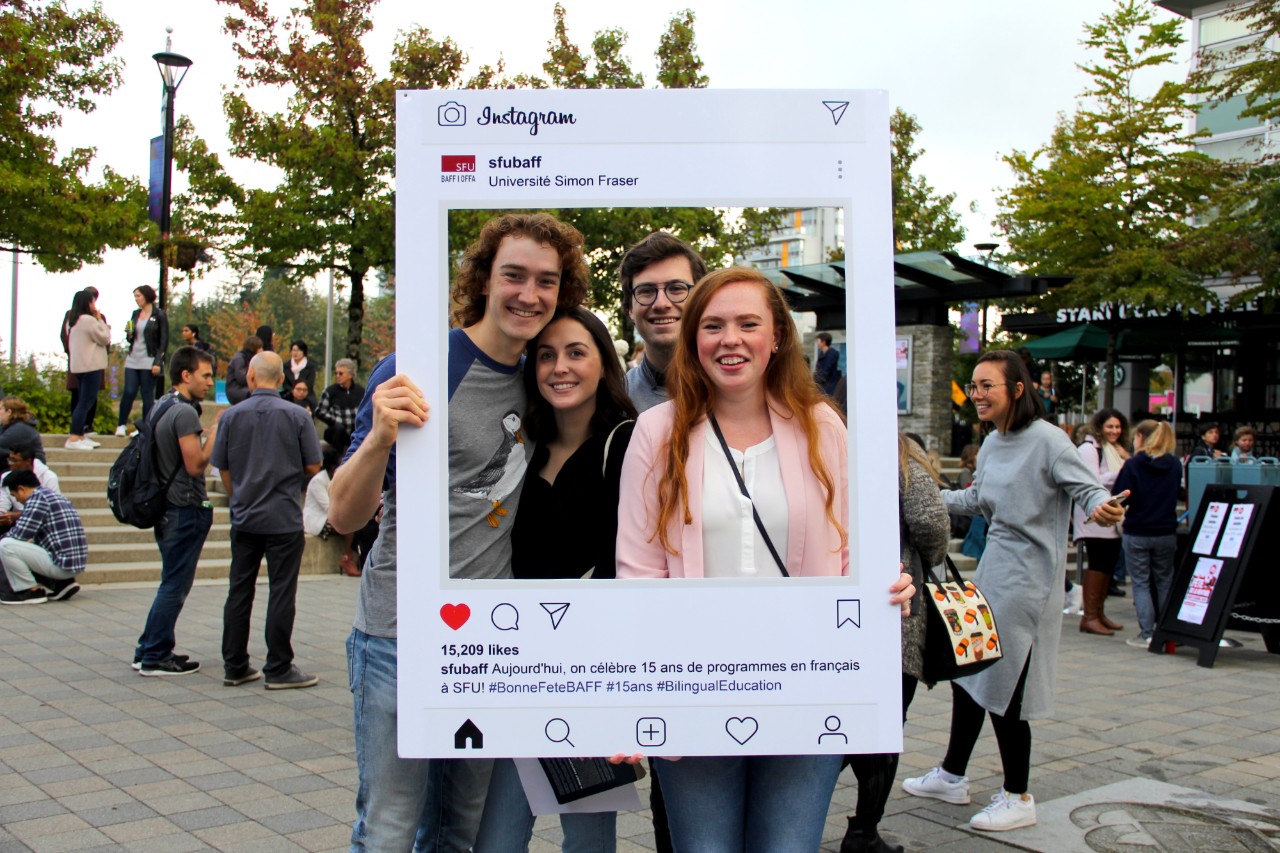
pixel 169 64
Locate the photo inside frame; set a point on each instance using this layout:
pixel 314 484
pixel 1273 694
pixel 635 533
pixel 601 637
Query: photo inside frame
pixel 801 249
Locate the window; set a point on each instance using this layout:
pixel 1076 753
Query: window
pixel 1218 28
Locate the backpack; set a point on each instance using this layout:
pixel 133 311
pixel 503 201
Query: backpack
pixel 135 491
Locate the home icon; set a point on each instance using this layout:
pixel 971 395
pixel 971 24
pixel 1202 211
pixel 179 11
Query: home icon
pixel 468 731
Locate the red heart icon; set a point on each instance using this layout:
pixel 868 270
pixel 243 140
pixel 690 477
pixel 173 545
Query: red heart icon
pixel 455 615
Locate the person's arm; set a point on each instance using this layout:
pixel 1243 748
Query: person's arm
pixel 34 512
pixel 962 501
pixel 928 526
pixel 162 322
pixel 640 552
pixel 196 455
pixel 1073 476
pixel 357 484
pixel 100 332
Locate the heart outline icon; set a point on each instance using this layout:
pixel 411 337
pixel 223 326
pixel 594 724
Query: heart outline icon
pixel 455 615
pixel 742 729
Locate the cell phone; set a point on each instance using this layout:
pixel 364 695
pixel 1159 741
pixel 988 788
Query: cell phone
pixel 1117 500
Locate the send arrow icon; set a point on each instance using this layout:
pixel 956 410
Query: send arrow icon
pixel 556 610
pixel 837 109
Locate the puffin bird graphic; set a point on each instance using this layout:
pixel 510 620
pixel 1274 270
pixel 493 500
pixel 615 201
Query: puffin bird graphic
pixel 502 474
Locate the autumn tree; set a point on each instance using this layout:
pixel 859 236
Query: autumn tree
pixel 58 60
pixel 1111 198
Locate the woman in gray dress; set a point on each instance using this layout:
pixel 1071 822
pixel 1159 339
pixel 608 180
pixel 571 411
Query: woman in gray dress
pixel 1028 474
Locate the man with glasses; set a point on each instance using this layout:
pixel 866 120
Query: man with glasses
pixel 656 274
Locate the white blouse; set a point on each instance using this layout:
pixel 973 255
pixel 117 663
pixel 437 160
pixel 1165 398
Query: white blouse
pixel 732 546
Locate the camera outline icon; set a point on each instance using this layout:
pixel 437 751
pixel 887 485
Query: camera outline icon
pixel 451 114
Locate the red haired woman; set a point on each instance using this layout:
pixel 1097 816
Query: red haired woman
pixel 742 398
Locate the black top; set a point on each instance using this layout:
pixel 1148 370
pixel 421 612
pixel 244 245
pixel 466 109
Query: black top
pixel 565 529
pixel 21 434
pixel 307 375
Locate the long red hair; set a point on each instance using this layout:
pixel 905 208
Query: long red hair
pixel 789 386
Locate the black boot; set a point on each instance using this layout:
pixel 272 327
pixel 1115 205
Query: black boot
pixel 866 841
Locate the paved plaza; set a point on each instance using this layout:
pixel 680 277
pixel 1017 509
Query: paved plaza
pixel 94 757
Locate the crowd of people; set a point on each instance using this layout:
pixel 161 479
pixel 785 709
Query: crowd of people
pixel 694 460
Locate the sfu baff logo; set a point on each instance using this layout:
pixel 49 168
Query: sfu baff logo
pixel 458 163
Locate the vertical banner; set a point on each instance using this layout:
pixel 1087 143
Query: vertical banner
pixel 902 356
pixel 155 179
pixel 499 667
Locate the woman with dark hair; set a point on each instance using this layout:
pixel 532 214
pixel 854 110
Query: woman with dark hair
pixel 299 394
pixel 581 420
pixel 88 339
pixel 17 430
pixel 1028 474
pixel 265 335
pixel 299 369
pixel 72 384
pixel 738 374
pixel 147 334
pixel 1103 452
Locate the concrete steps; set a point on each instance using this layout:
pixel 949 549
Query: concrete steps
pixel 119 553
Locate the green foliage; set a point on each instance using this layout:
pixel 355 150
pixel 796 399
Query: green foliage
pixel 679 66
pixel 56 60
pixel 44 390
pixel 922 219
pixel 1112 197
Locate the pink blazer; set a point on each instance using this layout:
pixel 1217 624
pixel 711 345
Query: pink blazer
pixel 813 544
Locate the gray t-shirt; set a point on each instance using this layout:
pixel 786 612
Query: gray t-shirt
pixel 488 455
pixel 643 387
pixel 179 419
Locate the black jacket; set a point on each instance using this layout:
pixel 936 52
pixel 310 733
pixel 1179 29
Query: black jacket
pixel 21 434
pixel 1153 505
pixel 155 334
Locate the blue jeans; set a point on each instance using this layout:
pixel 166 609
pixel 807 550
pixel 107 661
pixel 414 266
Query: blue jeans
pixel 508 823
pixel 1150 563
pixel 90 385
pixel 133 381
pixel 748 804
pixel 180 535
pixel 428 805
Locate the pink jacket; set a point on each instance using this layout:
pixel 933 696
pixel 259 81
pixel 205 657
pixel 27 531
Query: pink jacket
pixel 813 544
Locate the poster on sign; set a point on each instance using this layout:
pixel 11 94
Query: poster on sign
pixel 491 666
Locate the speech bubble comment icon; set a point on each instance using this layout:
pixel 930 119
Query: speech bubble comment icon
pixel 849 612
pixel 505 617
pixel 455 615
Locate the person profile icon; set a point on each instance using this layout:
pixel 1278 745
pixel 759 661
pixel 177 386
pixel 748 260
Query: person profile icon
pixel 832 725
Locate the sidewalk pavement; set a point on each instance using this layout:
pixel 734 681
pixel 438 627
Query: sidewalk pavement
pixel 94 757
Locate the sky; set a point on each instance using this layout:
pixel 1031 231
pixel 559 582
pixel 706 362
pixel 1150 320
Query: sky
pixel 983 79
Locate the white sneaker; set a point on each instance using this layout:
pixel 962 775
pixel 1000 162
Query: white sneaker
pixel 1139 642
pixel 1007 811
pixel 935 786
pixel 121 431
pixel 80 444
pixel 92 443
pixel 1075 602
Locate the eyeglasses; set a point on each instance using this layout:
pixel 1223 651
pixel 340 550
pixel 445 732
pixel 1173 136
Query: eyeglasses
pixel 677 291
pixel 972 390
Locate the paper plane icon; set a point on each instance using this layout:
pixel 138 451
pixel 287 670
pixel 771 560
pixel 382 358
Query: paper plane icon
pixel 837 109
pixel 556 610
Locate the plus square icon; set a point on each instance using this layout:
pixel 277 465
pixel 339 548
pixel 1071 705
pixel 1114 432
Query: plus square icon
pixel 651 731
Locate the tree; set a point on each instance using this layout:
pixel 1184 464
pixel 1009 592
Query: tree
pixel 333 143
pixel 922 219
pixel 56 60
pixel 1112 197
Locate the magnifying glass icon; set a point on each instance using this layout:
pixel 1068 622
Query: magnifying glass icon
pixel 557 731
